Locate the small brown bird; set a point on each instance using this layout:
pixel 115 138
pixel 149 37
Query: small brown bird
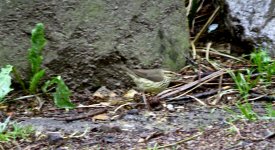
pixel 151 80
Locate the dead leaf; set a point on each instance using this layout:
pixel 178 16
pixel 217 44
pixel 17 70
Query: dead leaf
pixel 98 95
pixel 101 117
pixel 104 93
pixel 130 94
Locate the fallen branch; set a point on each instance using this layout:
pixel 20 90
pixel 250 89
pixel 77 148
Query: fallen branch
pixel 263 97
pixel 199 95
pixel 179 142
pixel 177 90
pixel 198 100
pixel 89 114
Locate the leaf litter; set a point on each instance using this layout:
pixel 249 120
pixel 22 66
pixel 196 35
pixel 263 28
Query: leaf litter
pixel 192 113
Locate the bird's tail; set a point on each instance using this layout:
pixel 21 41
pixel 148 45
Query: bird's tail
pixel 128 71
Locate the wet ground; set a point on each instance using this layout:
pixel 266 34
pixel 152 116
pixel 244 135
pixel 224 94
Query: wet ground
pixel 139 120
pixel 185 127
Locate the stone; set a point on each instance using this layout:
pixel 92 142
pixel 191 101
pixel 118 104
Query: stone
pixel 54 137
pixel 86 38
pixel 252 22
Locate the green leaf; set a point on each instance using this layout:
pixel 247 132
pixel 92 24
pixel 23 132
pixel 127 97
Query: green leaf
pixel 261 59
pixel 3 126
pixel 270 110
pixel 4 137
pixel 247 111
pixel 38 42
pixel 61 95
pixel 35 81
pixel 5 81
pixel 38 37
pixel 14 131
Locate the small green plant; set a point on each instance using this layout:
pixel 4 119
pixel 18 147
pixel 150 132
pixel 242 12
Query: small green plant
pixel 270 111
pixel 261 59
pixel 232 129
pixel 20 131
pixel 270 71
pixel 5 81
pixel 3 126
pixel 234 116
pixel 12 130
pixel 265 65
pixel 244 83
pixel 247 111
pixel 62 93
pixel 154 148
pixel 35 57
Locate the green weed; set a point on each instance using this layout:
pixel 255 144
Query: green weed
pixel 265 65
pixel 154 148
pixel 12 130
pixel 20 131
pixel 244 83
pixel 234 115
pixel 38 42
pixel 4 125
pixel 35 58
pixel 270 70
pixel 270 111
pixel 261 59
pixel 35 81
pixel 247 111
pixel 62 93
pixel 5 81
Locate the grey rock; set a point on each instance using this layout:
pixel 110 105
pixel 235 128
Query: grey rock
pixel 253 22
pixel 85 38
pixel 54 137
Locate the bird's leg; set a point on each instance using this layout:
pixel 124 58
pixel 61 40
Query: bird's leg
pixel 147 105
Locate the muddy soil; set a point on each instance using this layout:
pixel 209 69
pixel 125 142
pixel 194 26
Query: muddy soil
pixel 186 127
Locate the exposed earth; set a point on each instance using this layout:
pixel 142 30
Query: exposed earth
pixel 106 122
pixel 189 126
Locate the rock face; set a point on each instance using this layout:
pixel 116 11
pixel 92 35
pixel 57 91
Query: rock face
pixel 253 22
pixel 85 38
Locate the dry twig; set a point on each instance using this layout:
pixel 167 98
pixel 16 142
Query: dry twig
pixel 89 114
pixel 171 92
pixel 182 141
